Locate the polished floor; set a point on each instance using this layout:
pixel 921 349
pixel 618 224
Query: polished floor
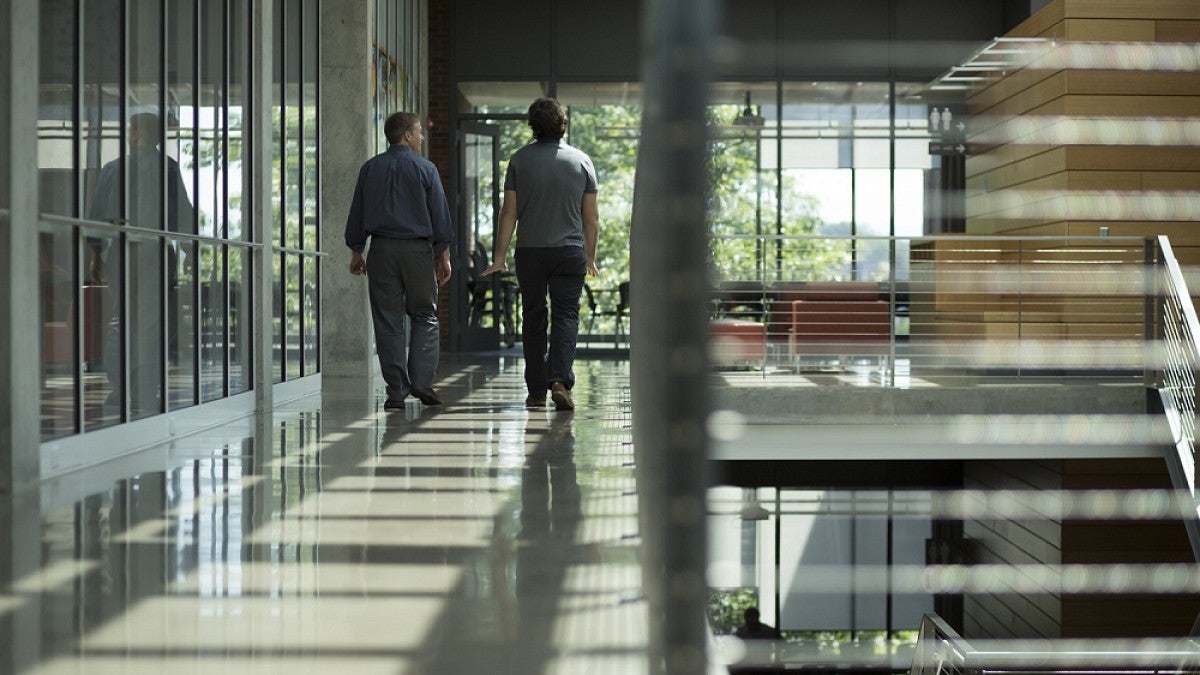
pixel 332 537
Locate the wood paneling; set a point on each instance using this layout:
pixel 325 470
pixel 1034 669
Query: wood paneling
pixel 1002 542
pixel 1109 30
pixel 1132 9
pixel 1110 541
pixel 1177 31
pixel 1004 161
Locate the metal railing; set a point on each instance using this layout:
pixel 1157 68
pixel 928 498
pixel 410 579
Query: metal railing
pixel 941 651
pixel 944 310
pixel 1177 333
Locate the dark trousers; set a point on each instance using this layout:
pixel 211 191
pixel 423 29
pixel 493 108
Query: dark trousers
pixel 559 272
pixel 401 281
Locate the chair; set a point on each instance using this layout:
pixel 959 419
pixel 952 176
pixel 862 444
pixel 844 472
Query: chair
pixel 507 293
pixel 618 312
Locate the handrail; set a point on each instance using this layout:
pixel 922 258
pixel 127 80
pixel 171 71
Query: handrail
pixel 929 237
pixel 144 231
pixel 942 651
pixel 1179 331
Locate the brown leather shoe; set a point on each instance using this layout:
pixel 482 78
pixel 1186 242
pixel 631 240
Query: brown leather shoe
pixel 532 401
pixel 561 396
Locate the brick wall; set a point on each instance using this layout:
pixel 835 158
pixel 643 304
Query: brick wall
pixel 440 134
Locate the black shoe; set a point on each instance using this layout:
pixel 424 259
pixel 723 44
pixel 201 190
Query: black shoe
pixel 393 405
pixel 427 396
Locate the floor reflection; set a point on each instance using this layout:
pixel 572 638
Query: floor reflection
pixel 477 537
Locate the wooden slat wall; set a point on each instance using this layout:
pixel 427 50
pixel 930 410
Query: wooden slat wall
pixel 1124 541
pixel 994 169
pixel 1053 542
pixel 1028 185
pixel 1005 542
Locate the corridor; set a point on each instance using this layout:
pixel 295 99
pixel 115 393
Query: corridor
pixel 333 537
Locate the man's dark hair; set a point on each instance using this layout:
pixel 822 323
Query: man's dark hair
pixel 397 124
pixel 751 615
pixel 547 119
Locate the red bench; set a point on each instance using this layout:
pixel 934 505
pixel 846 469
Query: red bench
pixel 841 318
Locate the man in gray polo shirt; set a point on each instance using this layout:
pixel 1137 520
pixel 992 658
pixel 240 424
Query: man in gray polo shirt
pixel 550 190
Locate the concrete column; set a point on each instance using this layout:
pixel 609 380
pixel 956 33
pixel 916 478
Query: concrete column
pixel 669 364
pixel 347 357
pixel 20 332
pixel 262 37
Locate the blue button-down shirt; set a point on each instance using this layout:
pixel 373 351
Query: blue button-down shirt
pixel 399 196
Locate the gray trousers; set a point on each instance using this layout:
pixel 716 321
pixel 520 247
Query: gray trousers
pixel 400 278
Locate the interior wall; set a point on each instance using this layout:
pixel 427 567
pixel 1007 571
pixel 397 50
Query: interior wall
pixel 565 40
pixel 1054 542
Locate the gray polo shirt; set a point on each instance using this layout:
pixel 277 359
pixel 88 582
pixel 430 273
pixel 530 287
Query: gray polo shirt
pixel 550 178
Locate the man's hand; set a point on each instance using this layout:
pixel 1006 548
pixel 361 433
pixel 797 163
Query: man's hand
pixel 441 271
pixel 592 271
pixel 358 264
pixel 495 267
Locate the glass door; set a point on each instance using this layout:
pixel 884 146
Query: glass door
pixel 480 309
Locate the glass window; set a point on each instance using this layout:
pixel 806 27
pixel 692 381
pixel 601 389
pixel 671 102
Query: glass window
pixel 59 317
pixel 145 335
pixel 292 325
pixel 240 321
pixel 277 316
pixel 311 317
pixel 238 112
pixel 309 240
pixel 102 375
pixel 100 119
pixel 57 189
pixel 743 121
pixel 212 322
pixel 182 257
pixel 210 122
pixel 832 559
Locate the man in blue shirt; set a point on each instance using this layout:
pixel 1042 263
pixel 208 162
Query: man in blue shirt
pixel 400 205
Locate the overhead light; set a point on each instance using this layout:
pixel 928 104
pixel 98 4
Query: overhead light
pixel 748 118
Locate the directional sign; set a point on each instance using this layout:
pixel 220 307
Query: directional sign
pixel 938 148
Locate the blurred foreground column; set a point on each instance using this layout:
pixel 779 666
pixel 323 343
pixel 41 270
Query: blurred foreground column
pixel 20 331
pixel 668 359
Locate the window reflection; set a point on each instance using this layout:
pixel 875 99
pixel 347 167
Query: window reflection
pixel 144 129
pixel 102 377
pixel 59 316
pixel 212 323
pixel 181 313
pixel 240 324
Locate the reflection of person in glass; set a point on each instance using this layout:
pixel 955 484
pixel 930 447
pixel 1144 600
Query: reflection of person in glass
pixel 755 629
pixel 145 209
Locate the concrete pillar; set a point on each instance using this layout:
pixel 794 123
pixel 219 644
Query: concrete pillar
pixel 20 358
pixel 669 364
pixel 20 343
pixel 347 356
pixel 262 38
